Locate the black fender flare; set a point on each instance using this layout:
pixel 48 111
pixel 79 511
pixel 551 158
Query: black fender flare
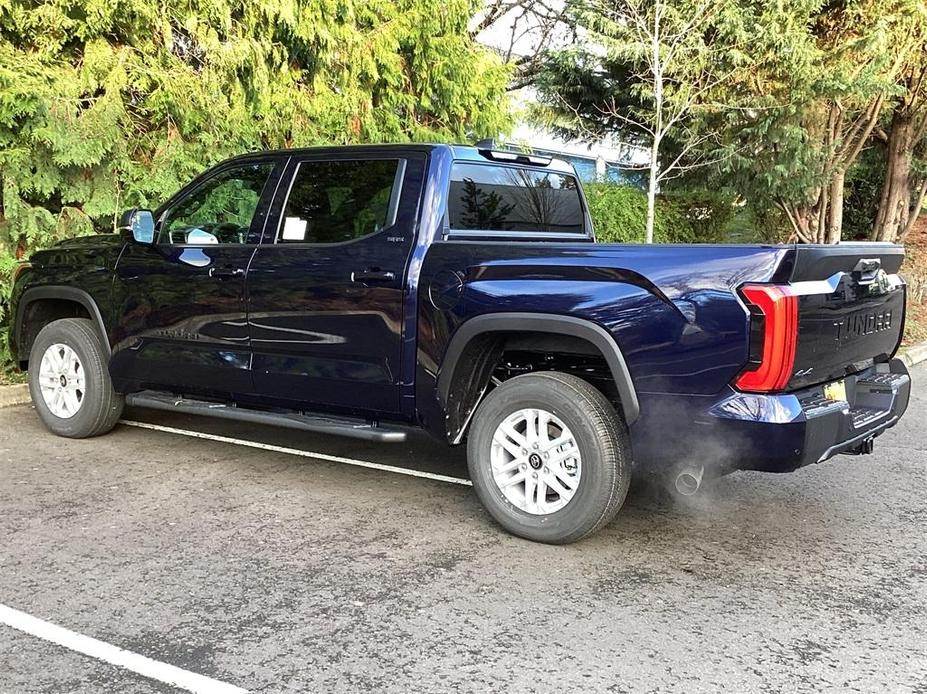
pixel 65 293
pixel 544 323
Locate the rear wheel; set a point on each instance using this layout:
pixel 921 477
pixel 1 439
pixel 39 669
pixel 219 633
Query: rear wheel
pixel 69 381
pixel 549 457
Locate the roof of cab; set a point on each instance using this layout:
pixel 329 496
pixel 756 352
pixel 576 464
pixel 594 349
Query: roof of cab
pixel 458 152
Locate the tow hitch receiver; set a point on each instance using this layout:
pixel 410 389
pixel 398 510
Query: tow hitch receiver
pixel 864 447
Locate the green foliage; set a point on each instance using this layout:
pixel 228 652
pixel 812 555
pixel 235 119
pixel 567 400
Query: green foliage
pixel 582 94
pixel 708 215
pixel 674 76
pixel 108 105
pixel 863 191
pixel 827 73
pixel 619 215
pixel 778 98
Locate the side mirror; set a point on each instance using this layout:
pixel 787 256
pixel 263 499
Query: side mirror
pixel 139 224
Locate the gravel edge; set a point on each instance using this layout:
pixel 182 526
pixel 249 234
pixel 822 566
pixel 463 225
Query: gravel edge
pixel 17 394
pixel 914 354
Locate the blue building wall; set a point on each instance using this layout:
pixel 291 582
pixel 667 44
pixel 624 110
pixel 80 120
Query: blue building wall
pixel 585 167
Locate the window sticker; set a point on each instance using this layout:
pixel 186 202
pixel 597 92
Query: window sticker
pixel 294 229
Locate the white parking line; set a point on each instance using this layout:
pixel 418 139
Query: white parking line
pixel 114 655
pixel 297 451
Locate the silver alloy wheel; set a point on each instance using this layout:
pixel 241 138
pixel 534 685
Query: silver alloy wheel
pixel 61 378
pixel 535 461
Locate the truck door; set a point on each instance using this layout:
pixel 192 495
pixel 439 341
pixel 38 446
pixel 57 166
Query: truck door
pixel 326 287
pixel 179 303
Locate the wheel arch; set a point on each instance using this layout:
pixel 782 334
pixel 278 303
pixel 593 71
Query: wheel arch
pixel 59 302
pixel 479 342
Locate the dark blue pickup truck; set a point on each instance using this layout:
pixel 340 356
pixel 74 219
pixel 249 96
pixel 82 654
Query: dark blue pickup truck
pixel 365 290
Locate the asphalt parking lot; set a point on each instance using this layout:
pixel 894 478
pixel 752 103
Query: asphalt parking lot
pixel 272 571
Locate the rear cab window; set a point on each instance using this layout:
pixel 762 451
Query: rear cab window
pixel 502 200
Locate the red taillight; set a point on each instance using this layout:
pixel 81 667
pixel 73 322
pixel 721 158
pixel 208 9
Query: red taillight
pixel 779 307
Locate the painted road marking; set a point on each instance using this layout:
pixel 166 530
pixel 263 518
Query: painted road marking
pixel 300 452
pixel 114 655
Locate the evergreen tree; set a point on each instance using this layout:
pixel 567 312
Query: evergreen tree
pixel 108 104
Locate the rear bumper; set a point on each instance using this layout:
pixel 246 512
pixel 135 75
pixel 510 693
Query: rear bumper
pixel 780 433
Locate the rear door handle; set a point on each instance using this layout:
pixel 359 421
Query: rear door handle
pixel 373 276
pixel 227 272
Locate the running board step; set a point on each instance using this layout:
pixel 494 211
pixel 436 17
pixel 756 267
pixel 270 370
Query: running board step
pixel 337 426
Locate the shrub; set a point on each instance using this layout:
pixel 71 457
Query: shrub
pixel 619 214
pixel 707 215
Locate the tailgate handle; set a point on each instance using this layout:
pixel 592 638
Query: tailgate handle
pixel 866 270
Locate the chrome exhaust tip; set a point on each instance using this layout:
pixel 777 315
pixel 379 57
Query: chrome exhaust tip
pixel 689 480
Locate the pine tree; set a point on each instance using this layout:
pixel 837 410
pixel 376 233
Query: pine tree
pixel 107 104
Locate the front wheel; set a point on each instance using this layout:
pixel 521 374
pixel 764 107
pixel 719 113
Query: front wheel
pixel 549 457
pixel 69 381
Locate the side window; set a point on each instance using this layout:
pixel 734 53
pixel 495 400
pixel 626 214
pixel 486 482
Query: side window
pixel 508 198
pixel 219 211
pixel 336 201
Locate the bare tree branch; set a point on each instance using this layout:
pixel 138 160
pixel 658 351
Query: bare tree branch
pixel 793 220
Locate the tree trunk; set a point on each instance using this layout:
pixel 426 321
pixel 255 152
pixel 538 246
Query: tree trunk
pixel 819 218
pixel 652 190
pixel 915 211
pixel 800 216
pixel 835 208
pixel 894 203
pixel 656 67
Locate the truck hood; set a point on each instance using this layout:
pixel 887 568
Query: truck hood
pixel 94 241
pixel 99 250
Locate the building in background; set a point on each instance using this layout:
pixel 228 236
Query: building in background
pixel 596 161
pixel 524 28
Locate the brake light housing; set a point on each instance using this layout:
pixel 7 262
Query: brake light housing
pixel 776 307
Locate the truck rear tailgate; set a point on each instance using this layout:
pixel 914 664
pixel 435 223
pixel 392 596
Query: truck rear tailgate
pixel 851 304
pixel 836 310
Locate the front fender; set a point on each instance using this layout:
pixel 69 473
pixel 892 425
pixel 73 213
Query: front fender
pixel 63 293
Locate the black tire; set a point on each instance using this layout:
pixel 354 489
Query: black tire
pixel 600 435
pixel 100 406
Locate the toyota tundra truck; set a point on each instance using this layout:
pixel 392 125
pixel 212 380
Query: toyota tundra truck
pixel 367 290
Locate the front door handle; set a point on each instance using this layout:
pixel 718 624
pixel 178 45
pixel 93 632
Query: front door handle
pixel 373 275
pixel 227 272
